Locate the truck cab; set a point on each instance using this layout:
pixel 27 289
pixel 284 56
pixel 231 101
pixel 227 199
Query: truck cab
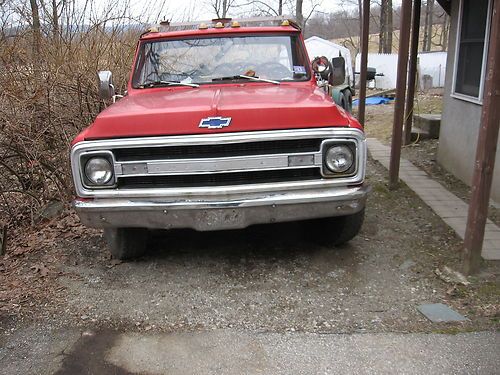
pixel 223 126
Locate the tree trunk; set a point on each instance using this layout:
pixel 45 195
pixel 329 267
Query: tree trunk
pixel 383 25
pixel 444 32
pixel 390 27
pixel 360 12
pixel 35 15
pixel 298 13
pixel 280 7
pixel 429 12
pixel 386 27
pixel 55 20
pixel 224 8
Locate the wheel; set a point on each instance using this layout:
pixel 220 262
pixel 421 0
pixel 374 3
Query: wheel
pixel 348 100
pixel 335 230
pixel 342 102
pixel 126 243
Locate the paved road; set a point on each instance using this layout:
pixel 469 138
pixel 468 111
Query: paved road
pixel 66 351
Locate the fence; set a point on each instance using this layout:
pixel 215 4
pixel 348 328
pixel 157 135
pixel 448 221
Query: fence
pixel 432 64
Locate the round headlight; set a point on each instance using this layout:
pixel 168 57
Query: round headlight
pixel 98 170
pixel 339 158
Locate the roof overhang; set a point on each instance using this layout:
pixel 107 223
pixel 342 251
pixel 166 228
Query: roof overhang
pixel 446 5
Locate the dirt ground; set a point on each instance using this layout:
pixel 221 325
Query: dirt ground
pixel 270 279
pixel 422 153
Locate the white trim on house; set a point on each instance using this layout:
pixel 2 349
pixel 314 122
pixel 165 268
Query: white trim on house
pixel 456 95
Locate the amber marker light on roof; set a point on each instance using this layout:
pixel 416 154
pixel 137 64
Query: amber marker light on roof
pixel 219 25
pixel 203 26
pixel 285 23
pixel 153 30
pixel 235 24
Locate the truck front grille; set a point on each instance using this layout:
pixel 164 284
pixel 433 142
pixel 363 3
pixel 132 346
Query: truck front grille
pixel 217 150
pixel 219 179
pixel 195 165
pixel 212 164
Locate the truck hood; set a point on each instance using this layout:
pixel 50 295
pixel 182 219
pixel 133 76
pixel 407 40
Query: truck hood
pixel 251 107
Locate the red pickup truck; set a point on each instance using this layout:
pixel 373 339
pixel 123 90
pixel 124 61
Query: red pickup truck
pixel 223 126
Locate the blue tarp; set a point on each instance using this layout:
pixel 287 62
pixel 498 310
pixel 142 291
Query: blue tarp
pixel 374 100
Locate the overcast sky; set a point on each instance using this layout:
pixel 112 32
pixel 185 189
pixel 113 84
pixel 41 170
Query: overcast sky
pixel 179 10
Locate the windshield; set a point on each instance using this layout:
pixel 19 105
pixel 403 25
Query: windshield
pixel 207 60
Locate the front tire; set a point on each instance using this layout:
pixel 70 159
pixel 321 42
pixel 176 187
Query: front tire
pixel 126 243
pixel 348 100
pixel 336 231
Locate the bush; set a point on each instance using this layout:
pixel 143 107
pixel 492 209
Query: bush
pixel 48 95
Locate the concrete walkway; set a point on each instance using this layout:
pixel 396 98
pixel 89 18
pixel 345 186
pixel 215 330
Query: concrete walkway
pixel 444 203
pixel 72 352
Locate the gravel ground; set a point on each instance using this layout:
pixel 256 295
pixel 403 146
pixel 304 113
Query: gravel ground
pixel 271 278
pixel 264 280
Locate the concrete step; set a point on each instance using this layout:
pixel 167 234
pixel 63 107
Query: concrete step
pixel 429 123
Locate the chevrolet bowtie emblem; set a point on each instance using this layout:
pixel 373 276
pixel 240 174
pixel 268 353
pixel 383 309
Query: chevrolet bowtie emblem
pixel 215 122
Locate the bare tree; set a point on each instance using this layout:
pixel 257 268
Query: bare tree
pixel 299 16
pixel 386 27
pixel 444 32
pixel 221 7
pixel 429 20
pixel 35 26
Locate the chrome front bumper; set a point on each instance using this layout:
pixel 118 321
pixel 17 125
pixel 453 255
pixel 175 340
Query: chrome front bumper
pixel 222 212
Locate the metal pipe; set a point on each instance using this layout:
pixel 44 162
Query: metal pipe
pixel 412 73
pixel 399 107
pixel 365 31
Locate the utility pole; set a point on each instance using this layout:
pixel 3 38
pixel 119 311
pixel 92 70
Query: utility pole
pixel 399 106
pixel 412 71
pixel 365 31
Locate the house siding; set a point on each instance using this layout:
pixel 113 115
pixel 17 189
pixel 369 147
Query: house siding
pixel 460 125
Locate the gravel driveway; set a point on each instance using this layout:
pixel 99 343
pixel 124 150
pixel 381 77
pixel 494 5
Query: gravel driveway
pixel 264 279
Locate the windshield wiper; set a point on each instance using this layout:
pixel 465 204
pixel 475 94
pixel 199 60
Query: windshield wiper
pixel 257 79
pixel 167 83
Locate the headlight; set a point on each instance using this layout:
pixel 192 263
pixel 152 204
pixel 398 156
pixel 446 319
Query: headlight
pixel 339 159
pixel 98 170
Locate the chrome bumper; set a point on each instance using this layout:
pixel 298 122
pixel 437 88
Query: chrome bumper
pixel 223 212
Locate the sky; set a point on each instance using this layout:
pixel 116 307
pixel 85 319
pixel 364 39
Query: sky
pixel 184 10
pixel 178 10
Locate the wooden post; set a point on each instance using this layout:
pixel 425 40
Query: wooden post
pixel 365 31
pixel 485 152
pixel 3 239
pixel 412 71
pixel 399 107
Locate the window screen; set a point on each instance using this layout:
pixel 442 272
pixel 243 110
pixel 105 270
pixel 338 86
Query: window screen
pixel 471 47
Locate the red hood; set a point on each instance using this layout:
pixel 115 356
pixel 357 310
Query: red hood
pixel 252 106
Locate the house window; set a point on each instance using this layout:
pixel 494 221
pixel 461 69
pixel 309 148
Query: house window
pixel 470 58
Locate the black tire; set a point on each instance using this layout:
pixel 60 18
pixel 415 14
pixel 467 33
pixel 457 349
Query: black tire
pixel 348 100
pixel 126 243
pixel 342 102
pixel 336 231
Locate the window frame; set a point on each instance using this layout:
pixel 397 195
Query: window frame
pixel 454 93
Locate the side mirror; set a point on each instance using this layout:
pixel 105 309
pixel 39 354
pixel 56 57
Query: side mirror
pixel 338 71
pixel 106 88
pixel 321 66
